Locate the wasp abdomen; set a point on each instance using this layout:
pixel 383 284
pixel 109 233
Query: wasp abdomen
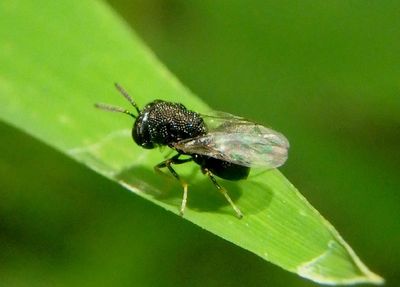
pixel 221 168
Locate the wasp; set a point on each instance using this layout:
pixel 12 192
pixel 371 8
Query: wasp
pixel 223 145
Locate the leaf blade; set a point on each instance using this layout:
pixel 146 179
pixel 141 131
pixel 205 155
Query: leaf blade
pixel 50 77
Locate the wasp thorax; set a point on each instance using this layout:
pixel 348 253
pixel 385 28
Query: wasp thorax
pixel 165 123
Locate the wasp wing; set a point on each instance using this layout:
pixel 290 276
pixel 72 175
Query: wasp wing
pixel 238 141
pixel 217 120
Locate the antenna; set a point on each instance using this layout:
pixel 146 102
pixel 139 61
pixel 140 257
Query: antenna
pixel 111 108
pixel 126 95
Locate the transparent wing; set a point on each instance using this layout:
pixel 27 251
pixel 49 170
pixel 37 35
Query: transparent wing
pixel 217 120
pixel 239 141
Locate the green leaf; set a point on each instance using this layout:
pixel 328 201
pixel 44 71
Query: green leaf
pixel 60 57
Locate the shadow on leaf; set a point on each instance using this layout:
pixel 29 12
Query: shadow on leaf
pixel 202 194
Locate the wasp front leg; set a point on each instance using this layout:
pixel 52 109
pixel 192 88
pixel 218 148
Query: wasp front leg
pixel 168 164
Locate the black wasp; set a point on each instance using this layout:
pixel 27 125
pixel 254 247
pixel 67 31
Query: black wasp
pixel 222 144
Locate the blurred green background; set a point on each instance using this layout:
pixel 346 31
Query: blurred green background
pixel 326 74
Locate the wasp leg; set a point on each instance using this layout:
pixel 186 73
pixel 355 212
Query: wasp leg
pixel 167 163
pixel 224 192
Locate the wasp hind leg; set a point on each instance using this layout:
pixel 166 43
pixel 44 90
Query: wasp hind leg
pixel 168 164
pixel 239 214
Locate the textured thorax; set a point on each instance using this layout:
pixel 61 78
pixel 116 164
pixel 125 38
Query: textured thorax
pixel 165 123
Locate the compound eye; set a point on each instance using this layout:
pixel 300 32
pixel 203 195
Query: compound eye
pixel 142 140
pixel 147 145
pixel 141 136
